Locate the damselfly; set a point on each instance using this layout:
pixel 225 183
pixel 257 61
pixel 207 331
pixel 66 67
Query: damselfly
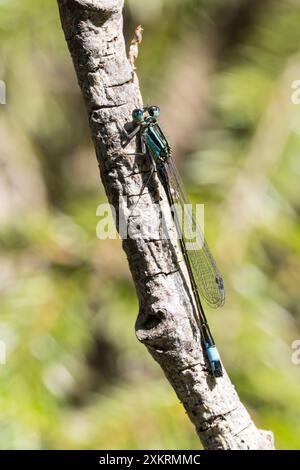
pixel 205 279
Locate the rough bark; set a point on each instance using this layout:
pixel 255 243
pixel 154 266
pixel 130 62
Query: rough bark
pixel 165 324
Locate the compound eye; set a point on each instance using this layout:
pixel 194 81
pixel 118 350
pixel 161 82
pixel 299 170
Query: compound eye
pixel 137 115
pixel 154 111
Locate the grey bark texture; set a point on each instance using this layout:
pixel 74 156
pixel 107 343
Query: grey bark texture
pixel 165 323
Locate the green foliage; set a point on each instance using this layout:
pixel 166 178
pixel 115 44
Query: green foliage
pixel 76 377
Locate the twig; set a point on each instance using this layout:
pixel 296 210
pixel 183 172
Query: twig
pixel 93 30
pixel 134 46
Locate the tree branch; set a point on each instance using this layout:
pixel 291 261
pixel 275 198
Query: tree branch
pixel 165 324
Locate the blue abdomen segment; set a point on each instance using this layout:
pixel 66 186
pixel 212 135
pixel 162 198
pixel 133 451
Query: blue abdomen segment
pixel 212 356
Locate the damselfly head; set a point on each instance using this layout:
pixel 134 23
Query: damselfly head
pixel 137 115
pixel 154 111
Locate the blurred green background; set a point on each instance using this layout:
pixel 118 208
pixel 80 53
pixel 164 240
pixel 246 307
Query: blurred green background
pixel 76 377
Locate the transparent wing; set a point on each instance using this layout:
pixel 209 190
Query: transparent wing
pixel 206 274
